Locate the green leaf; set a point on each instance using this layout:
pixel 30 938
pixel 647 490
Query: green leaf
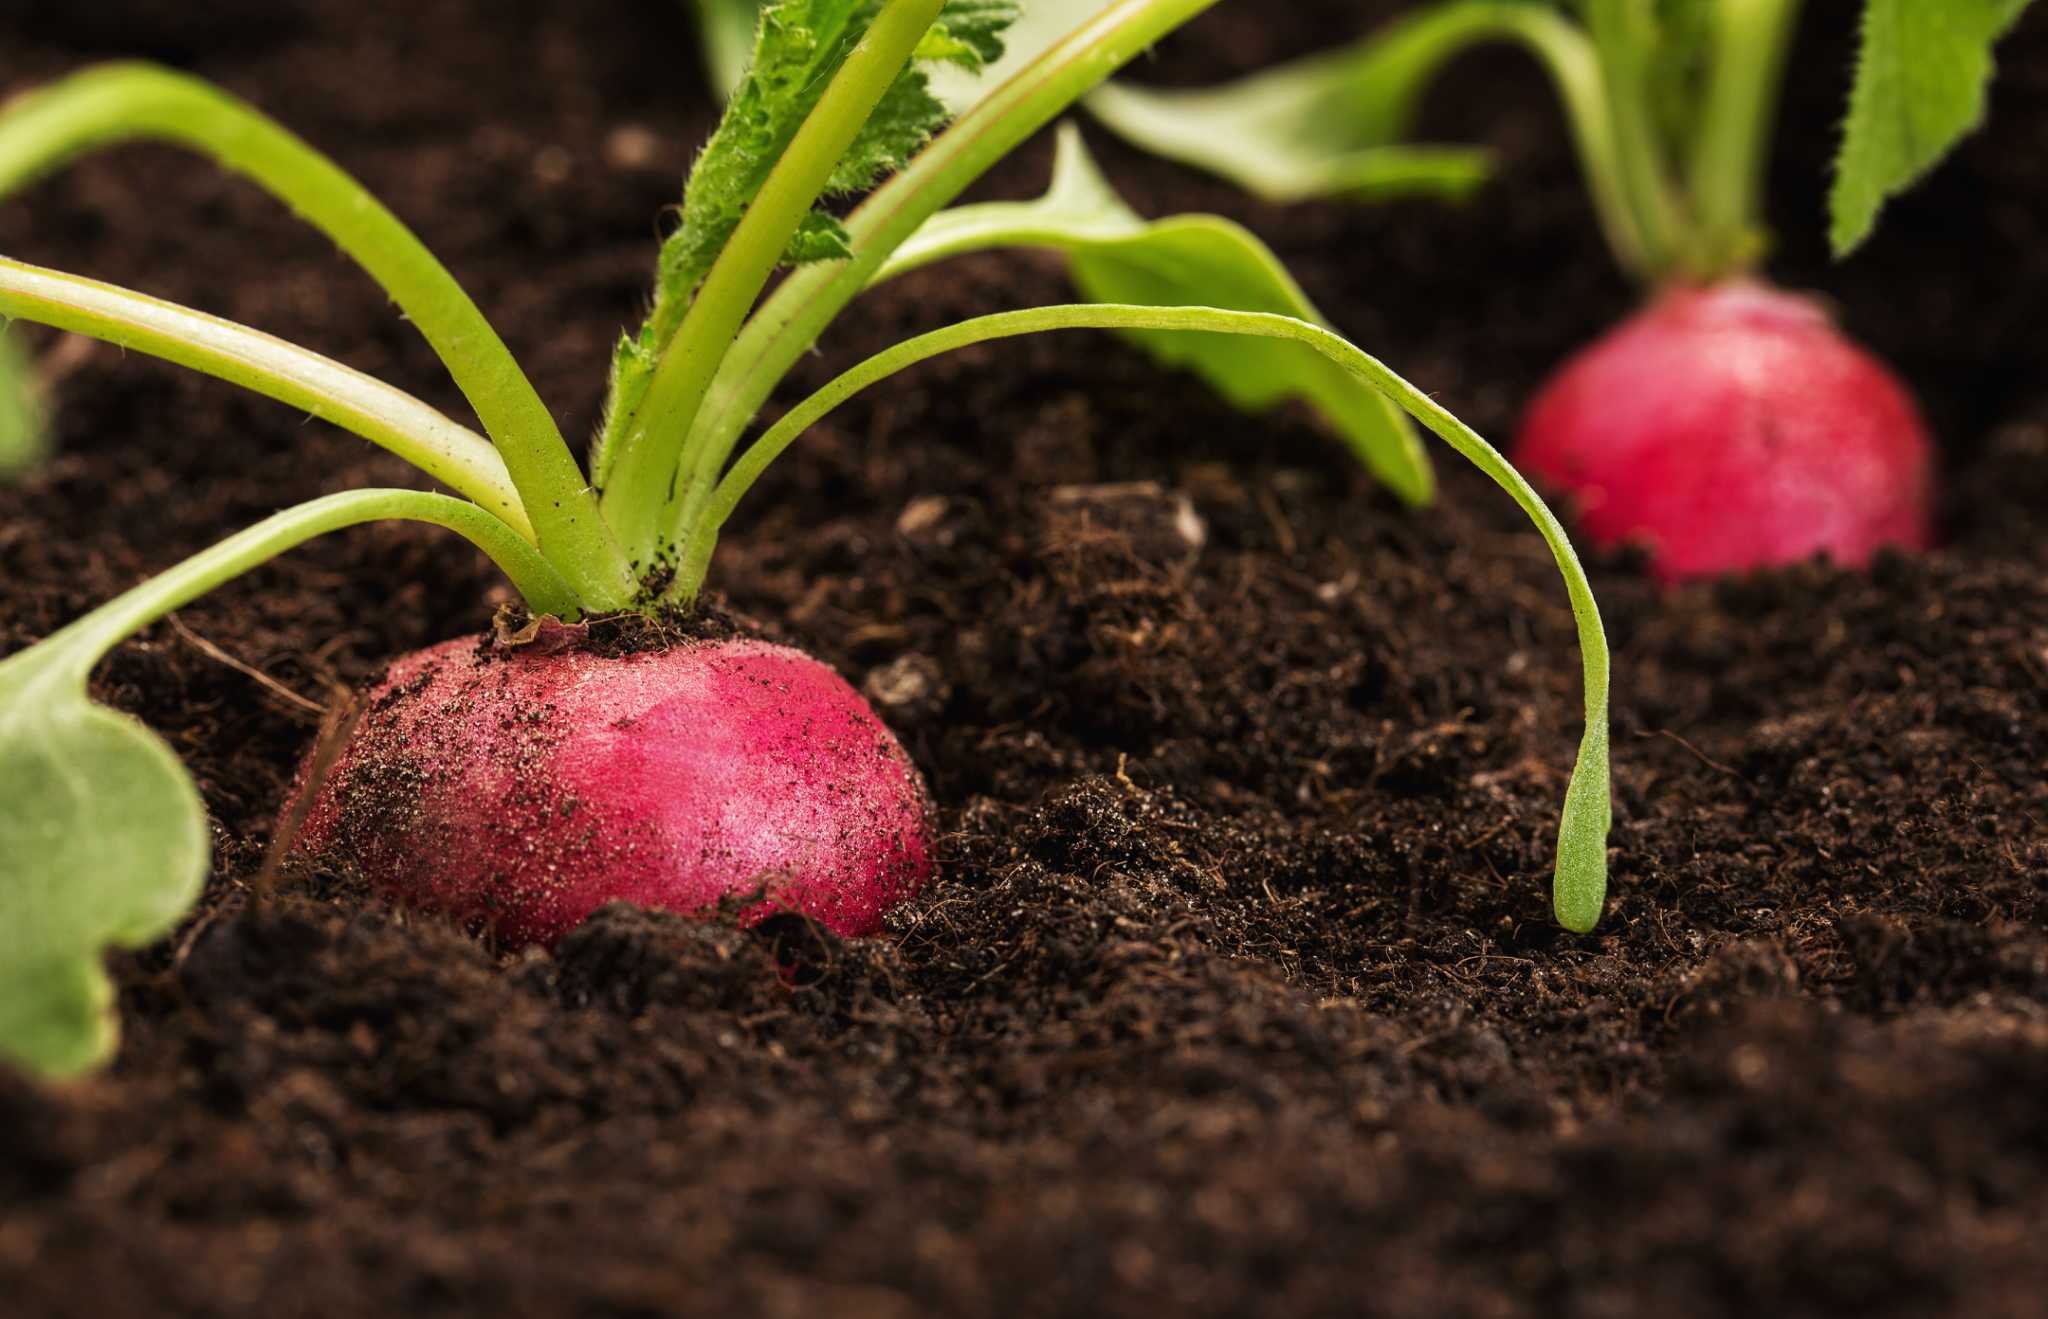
pixel 23 430
pixel 1920 87
pixel 106 847
pixel 799 46
pixel 1325 126
pixel 1188 260
pixel 970 35
pixel 1274 136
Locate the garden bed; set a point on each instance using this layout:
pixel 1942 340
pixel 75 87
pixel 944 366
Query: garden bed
pixel 1238 991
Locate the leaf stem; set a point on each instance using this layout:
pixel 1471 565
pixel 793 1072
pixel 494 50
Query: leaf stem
pixel 1580 884
pixel 797 312
pixel 1624 36
pixel 645 479
pixel 86 640
pixel 1397 61
pixel 124 102
pixel 453 454
pixel 1726 169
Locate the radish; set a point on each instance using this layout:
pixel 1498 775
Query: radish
pixel 1730 427
pixel 522 787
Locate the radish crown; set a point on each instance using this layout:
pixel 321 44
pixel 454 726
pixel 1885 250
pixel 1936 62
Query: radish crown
pixel 108 849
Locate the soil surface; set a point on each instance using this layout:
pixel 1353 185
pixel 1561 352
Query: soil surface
pixel 1237 992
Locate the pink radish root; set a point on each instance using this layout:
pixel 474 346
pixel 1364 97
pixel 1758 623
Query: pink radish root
pixel 1733 427
pixel 519 791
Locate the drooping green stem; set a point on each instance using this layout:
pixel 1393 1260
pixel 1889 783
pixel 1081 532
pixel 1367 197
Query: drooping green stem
pixel 85 641
pixel 1625 37
pixel 307 381
pixel 125 102
pixel 800 308
pixel 1726 170
pixel 1580 883
pixel 644 481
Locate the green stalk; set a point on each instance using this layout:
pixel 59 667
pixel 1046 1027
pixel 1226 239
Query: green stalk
pixel 644 480
pixel 125 102
pixel 24 425
pixel 85 641
pixel 313 384
pixel 1579 886
pixel 800 308
pixel 1624 37
pixel 1388 86
pixel 1726 170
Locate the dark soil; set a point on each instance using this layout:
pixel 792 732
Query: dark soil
pixel 1238 991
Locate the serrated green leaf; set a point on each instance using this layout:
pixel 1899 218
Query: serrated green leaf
pixel 800 44
pixel 1115 256
pixel 23 426
pixel 106 847
pixel 970 34
pixel 1920 87
pixel 903 121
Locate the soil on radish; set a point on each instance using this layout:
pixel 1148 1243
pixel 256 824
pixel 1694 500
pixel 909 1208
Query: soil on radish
pixel 1237 990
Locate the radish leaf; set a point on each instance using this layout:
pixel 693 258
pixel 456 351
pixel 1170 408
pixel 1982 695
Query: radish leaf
pixel 1325 126
pixel 1920 87
pixel 1114 255
pixel 1286 136
pixel 106 847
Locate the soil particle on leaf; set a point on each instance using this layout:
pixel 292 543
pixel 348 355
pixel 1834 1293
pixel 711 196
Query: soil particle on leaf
pixel 1237 991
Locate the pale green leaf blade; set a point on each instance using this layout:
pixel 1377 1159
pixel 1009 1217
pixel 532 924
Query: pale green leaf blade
pixel 1189 260
pixel 1334 124
pixel 106 848
pixel 1284 139
pixel 1920 88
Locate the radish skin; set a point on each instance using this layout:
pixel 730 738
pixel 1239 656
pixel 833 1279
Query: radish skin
pixel 518 791
pixel 1734 427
